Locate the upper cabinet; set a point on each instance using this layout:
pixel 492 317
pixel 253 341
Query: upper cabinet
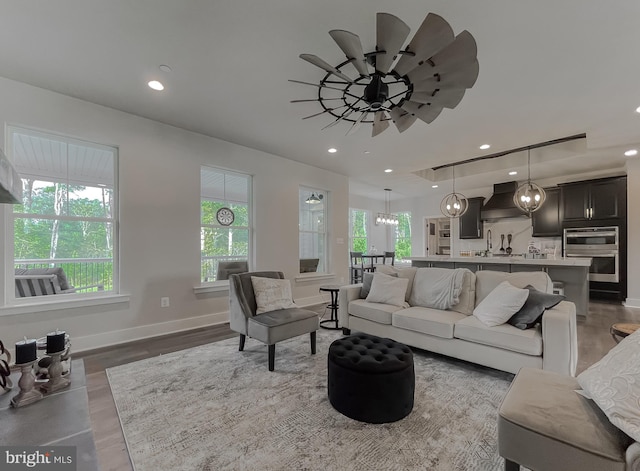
pixel 470 222
pixel 546 222
pixel 594 200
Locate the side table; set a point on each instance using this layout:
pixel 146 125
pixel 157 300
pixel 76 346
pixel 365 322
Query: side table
pixel 333 306
pixel 620 330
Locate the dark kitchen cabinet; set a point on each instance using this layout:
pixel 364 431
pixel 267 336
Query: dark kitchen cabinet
pixel 470 222
pixel 594 200
pixel 545 222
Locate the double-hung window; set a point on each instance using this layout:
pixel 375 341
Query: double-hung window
pixel 313 228
pixel 225 232
pixel 358 230
pixel 68 215
pixel 402 236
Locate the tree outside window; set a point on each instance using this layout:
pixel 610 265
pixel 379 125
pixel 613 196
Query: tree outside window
pixel 402 236
pixel 359 230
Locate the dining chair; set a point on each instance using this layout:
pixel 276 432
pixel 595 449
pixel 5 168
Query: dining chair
pixel 391 255
pixel 356 269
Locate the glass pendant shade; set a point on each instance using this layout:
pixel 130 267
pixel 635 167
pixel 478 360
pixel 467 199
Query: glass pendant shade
pixel 529 196
pixel 387 217
pixel 454 204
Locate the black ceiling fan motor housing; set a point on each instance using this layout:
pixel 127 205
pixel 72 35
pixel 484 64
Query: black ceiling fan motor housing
pixel 376 92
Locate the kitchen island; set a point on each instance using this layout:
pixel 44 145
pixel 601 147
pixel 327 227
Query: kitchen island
pixel 572 272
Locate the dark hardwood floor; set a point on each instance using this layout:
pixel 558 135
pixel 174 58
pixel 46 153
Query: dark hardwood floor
pixel 594 341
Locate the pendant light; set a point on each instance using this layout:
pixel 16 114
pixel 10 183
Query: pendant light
pixel 529 196
pixel 454 204
pixel 387 217
pixel 314 199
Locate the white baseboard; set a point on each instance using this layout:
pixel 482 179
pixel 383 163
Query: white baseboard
pixel 632 302
pixel 115 337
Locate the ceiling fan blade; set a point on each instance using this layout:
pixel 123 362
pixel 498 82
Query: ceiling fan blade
pixel 352 48
pixel 401 118
pixel 426 113
pixel 464 77
pixel 433 35
pixel 391 33
pixel 380 123
pixel 316 85
pixel 354 127
pixel 449 98
pixel 315 60
pixel 314 99
pixel 462 50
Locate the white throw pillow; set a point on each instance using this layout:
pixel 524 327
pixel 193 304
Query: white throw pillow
pixel 500 304
pixel 614 385
pixel 387 289
pixel 272 294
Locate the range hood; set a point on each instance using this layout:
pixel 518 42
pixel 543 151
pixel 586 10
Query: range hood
pixel 10 182
pixel 501 205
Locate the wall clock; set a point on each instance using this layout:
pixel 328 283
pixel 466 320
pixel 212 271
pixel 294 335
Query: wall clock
pixel 225 216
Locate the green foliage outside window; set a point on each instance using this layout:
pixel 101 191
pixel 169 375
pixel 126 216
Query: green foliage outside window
pixel 359 231
pixel 403 236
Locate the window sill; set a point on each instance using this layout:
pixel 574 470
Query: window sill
pixel 215 287
pixel 60 304
pixel 314 277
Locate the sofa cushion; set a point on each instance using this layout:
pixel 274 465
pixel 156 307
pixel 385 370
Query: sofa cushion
pixel 487 280
pixel 408 272
pixel 532 310
pixel 387 289
pixel 501 304
pixel 504 336
pixel 467 294
pixel 375 312
pixel 367 279
pixel 427 320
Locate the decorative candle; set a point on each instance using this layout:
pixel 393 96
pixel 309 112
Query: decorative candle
pixel 25 351
pixel 55 341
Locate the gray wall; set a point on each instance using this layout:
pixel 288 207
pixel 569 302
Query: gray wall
pixel 160 219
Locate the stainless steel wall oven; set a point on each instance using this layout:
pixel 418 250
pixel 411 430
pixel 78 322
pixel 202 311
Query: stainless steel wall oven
pixel 602 244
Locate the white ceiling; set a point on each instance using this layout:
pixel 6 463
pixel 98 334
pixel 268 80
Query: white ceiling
pixel 548 69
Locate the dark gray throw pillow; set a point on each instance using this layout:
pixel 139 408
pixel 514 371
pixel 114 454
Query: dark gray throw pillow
pixel 535 305
pixel 367 279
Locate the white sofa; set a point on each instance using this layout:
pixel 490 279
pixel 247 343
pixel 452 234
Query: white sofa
pixel 550 345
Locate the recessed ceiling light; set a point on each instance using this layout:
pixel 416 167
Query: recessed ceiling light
pixel 631 152
pixel 434 186
pixel 388 170
pixel 638 109
pixel 156 85
pixel 332 150
pixel 165 68
pixel 366 152
pixel 513 172
pixel 484 146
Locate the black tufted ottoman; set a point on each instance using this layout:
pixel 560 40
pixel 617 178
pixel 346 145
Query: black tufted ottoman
pixel 371 379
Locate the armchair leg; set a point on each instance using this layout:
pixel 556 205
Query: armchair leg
pixel 242 339
pixel 511 465
pixel 313 342
pixel 272 356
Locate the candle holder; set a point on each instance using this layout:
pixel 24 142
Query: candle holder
pixel 56 380
pixel 28 394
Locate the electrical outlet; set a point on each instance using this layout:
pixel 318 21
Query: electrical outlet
pixel 164 302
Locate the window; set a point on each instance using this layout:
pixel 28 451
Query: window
pixel 68 214
pixel 402 236
pixel 312 226
pixel 359 230
pixel 225 230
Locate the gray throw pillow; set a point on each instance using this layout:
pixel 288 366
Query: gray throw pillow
pixel 367 279
pixel 535 305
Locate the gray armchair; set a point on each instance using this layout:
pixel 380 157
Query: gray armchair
pixel 268 327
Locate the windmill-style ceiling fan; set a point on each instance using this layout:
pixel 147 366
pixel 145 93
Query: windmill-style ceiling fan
pixel 432 73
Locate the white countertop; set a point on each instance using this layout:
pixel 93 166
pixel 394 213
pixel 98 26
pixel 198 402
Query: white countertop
pixel 560 261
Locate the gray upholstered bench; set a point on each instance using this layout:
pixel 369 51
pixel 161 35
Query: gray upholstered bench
pixel 543 424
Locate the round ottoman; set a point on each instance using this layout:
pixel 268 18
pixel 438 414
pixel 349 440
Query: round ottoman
pixel 371 379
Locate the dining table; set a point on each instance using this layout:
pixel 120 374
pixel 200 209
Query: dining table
pixel 373 259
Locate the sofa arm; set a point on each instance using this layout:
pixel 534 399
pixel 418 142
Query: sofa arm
pixel 347 294
pixel 560 339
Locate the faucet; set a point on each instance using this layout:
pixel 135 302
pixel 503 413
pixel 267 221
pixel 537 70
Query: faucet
pixel 489 243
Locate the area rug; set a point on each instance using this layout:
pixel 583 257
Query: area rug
pixel 215 408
